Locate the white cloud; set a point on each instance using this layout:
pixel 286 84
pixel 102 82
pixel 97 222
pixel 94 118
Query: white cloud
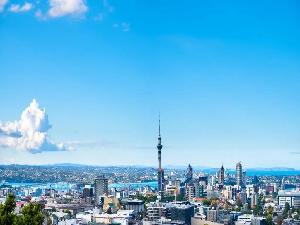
pixel 30 132
pixel 2 4
pixel 16 8
pixel 60 8
pixel 125 27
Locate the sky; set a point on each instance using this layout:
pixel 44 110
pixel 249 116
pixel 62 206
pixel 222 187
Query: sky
pixel 84 82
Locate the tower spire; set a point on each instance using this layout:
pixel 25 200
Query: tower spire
pixel 159 125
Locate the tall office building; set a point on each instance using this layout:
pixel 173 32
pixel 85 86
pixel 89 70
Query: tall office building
pixel 160 172
pixel 244 178
pixel 189 174
pixel 221 175
pixel 101 188
pixel 239 174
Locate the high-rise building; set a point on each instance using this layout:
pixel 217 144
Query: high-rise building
pixel 239 174
pixel 255 180
pixel 254 200
pixel 169 213
pixel 244 178
pixel 189 174
pixel 190 192
pixel 203 180
pixel 181 213
pixel 221 175
pixel 156 210
pixel 212 215
pixel 160 172
pixel 87 191
pixel 101 188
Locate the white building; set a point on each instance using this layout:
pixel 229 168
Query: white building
pixel 244 219
pixel 250 190
pixel 123 217
pixel 291 197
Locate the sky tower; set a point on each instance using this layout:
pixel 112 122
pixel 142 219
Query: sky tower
pixel 160 172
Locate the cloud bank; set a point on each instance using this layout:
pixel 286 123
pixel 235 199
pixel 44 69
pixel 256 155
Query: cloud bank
pixel 60 8
pixel 2 4
pixel 30 133
pixel 16 8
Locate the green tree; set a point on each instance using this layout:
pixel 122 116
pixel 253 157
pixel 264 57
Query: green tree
pixel 7 216
pixel 206 202
pixel 32 214
pixel 239 202
pixel 269 219
pixel 269 211
pixel 258 210
pixel 146 199
pixel 181 197
pixel 286 210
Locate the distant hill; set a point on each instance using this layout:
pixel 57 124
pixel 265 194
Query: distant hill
pixel 280 171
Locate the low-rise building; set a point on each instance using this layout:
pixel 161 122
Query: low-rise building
pixel 122 217
pixel 134 204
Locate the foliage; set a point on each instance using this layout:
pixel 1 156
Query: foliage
pixel 296 217
pixel 31 213
pixel 7 216
pixel 269 219
pixel 239 202
pixel 269 216
pixel 181 197
pixel 214 202
pixel 147 199
pixel 269 211
pixel 206 202
pixel 257 210
pixel 286 210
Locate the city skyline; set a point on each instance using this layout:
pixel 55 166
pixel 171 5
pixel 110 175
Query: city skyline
pixel 224 77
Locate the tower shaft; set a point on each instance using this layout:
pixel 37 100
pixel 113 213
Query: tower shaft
pixel 160 172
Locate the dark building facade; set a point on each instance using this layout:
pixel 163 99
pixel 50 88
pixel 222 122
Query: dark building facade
pixel 183 213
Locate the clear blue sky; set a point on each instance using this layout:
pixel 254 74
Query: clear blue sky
pixel 225 76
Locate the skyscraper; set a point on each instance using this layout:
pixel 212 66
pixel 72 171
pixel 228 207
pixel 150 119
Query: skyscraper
pixel 221 175
pixel 160 172
pixel 101 188
pixel 244 178
pixel 189 174
pixel 239 174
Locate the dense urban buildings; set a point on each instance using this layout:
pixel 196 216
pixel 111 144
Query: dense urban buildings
pixel 191 196
pixel 149 196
